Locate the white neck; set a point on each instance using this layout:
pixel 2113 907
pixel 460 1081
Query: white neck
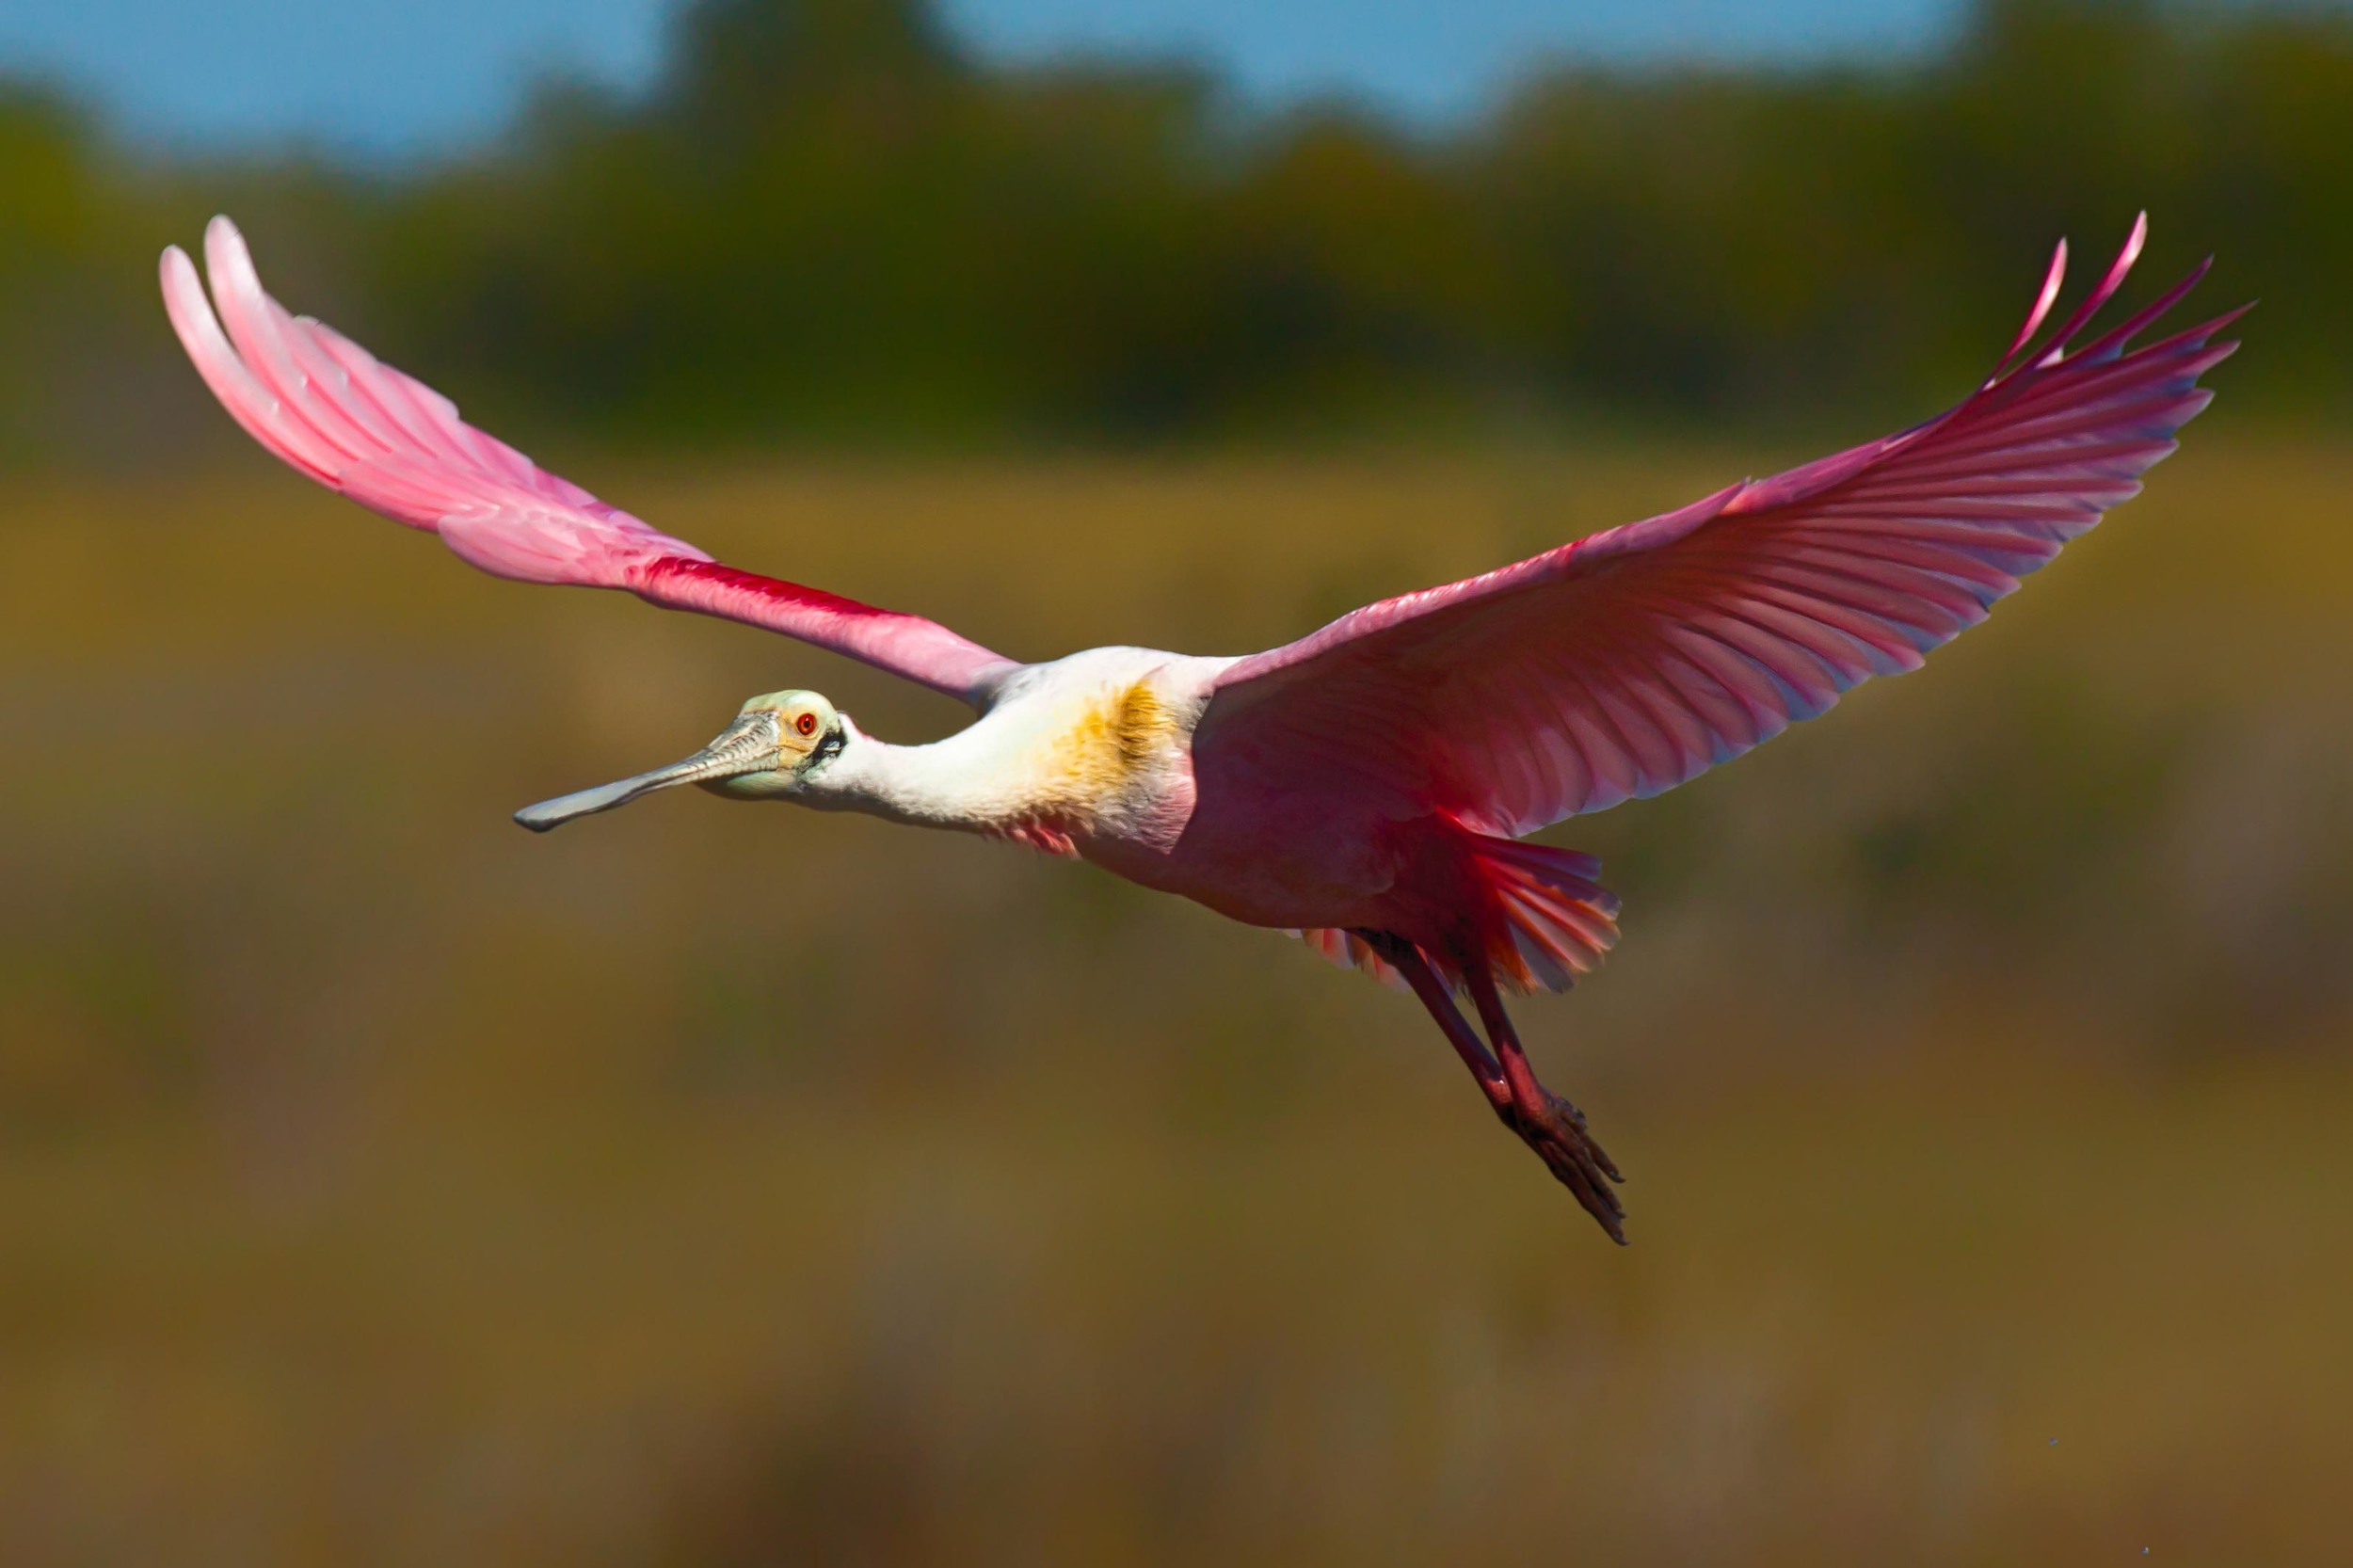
pixel 962 781
pixel 1089 745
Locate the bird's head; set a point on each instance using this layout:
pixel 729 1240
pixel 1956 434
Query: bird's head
pixel 775 744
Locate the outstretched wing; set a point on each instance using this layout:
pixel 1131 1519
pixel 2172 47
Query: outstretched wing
pixel 327 409
pixel 1629 661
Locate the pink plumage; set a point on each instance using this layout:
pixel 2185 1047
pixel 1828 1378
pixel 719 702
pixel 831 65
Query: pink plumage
pixel 1365 786
pixel 1628 662
pixel 325 407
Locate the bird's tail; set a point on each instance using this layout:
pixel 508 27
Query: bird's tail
pixel 1557 920
pixel 1549 922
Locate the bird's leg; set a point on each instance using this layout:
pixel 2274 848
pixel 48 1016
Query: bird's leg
pixel 1459 1033
pixel 1549 1125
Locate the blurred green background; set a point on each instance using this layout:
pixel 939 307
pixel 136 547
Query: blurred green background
pixel 719 1184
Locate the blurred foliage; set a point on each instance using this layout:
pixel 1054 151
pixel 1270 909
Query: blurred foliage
pixel 829 224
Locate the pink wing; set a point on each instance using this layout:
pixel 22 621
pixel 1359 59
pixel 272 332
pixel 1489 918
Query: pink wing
pixel 327 408
pixel 1625 663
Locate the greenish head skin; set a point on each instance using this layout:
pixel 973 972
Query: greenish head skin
pixel 777 741
pixel 809 733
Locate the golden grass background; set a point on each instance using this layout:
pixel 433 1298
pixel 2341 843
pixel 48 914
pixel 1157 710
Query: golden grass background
pixel 720 1184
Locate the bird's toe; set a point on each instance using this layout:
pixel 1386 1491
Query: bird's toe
pixel 1557 1132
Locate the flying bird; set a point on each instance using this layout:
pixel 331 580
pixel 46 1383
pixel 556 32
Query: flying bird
pixel 1367 787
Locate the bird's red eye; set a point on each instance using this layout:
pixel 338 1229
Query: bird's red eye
pixel 805 723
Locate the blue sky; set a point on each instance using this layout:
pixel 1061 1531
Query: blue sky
pixel 393 76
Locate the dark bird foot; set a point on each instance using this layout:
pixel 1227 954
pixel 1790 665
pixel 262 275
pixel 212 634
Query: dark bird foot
pixel 1556 1130
pixel 1545 1122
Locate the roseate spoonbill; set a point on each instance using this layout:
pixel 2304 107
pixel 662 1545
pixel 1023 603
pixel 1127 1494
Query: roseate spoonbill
pixel 1365 786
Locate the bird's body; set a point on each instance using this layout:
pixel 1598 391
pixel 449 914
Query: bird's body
pixel 1098 755
pixel 1366 787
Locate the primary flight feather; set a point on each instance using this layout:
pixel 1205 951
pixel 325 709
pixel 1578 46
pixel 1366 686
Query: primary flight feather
pixel 1365 786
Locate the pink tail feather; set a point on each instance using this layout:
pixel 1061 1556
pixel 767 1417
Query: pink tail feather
pixel 1557 920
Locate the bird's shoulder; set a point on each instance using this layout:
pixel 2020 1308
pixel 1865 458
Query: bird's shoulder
pixel 1181 681
pixel 1090 736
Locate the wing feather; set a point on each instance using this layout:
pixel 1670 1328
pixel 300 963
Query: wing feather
pixel 333 413
pixel 1653 651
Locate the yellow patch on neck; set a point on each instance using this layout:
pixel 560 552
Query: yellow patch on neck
pixel 1116 738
